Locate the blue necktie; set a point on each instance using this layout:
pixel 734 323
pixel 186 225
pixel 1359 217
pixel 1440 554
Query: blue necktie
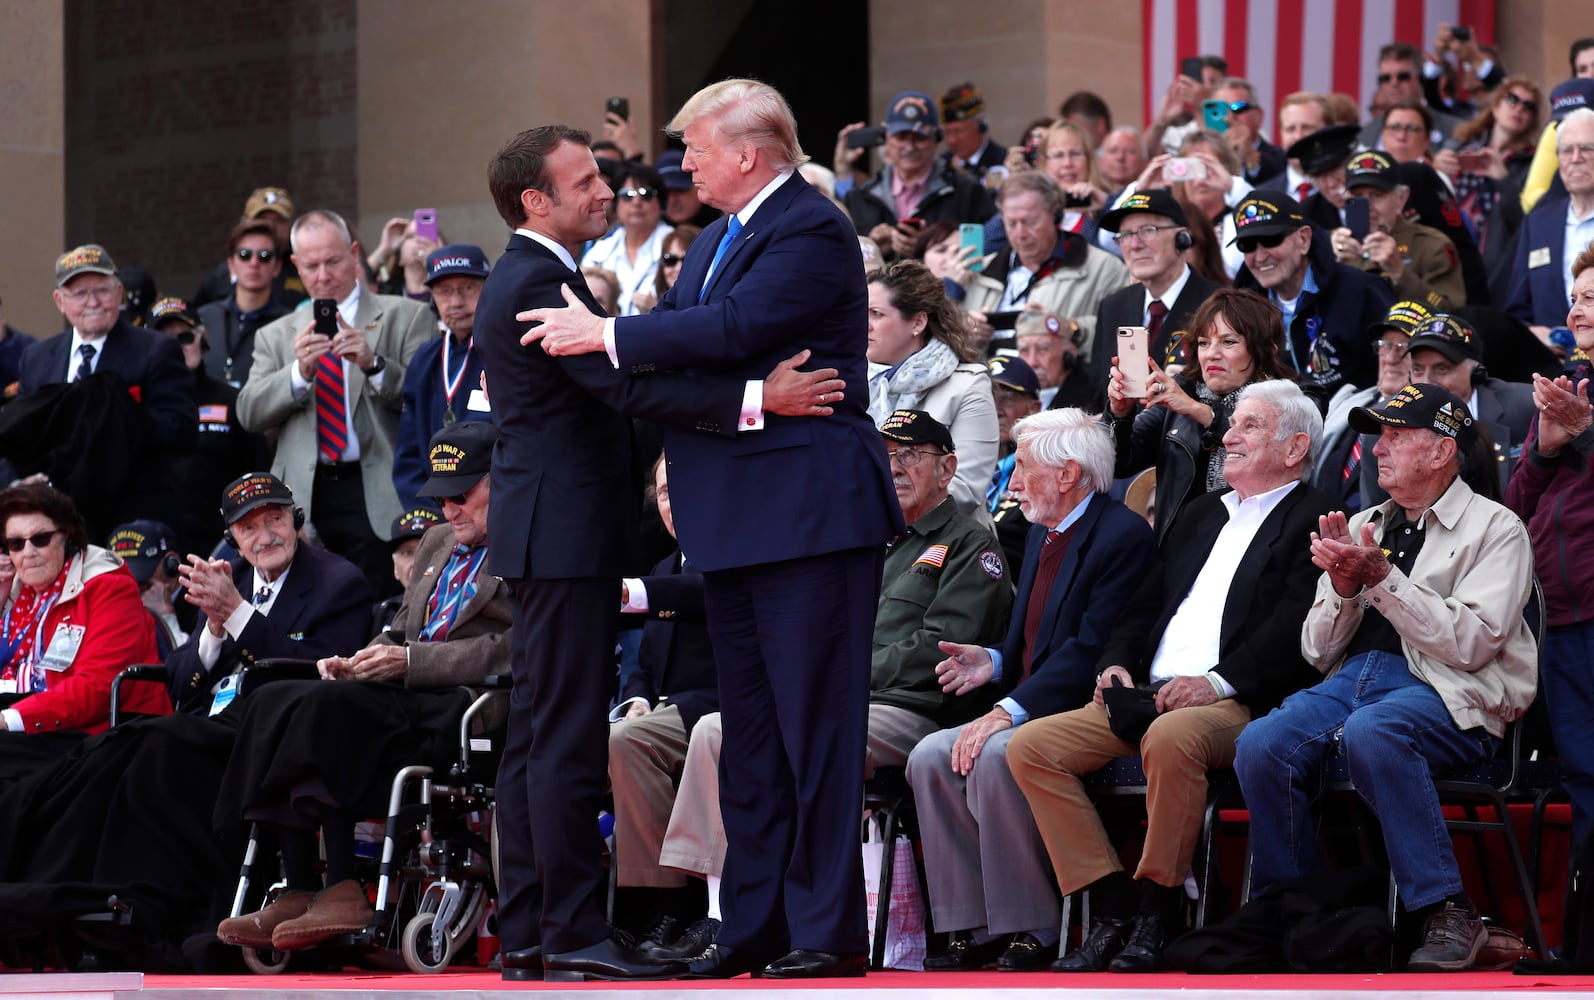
pixel 731 232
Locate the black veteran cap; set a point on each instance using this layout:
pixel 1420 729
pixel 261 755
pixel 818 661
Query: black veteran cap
pixel 140 544
pixel 1015 374
pixel 90 258
pixel 1449 335
pixel 169 308
pixel 247 492
pixel 414 524
pixel 1370 168
pixel 459 456
pixel 916 427
pixel 1422 405
pixel 1324 149
pixel 1567 97
pixel 456 258
pixel 1404 316
pixel 1267 213
pixel 962 103
pixel 1157 201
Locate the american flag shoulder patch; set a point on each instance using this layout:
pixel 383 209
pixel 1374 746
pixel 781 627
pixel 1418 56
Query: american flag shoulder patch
pixel 215 413
pixel 935 555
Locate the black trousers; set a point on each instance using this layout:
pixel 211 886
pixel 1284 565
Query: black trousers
pixel 338 506
pixel 554 773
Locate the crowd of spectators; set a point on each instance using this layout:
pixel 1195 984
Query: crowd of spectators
pixel 1328 301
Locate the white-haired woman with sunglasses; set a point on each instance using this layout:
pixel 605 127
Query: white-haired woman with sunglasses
pixel 634 248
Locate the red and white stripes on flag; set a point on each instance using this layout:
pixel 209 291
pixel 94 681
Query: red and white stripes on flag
pixel 1282 46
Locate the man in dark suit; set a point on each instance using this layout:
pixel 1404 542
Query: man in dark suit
pixel 303 603
pixel 564 524
pixel 1214 631
pixel 88 292
pixel 1151 231
pixel 791 610
pixel 983 858
pixel 1541 283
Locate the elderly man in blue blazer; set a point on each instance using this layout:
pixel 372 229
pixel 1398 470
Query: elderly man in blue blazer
pixel 1556 231
pixel 984 860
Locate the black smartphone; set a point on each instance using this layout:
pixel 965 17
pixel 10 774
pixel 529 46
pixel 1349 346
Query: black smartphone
pixel 1071 201
pixel 866 138
pixel 1003 320
pixel 1356 218
pixel 618 106
pixel 1191 66
pixel 325 312
pixel 1461 33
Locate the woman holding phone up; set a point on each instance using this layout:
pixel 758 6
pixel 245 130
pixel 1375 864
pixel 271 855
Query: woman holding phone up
pixel 1233 340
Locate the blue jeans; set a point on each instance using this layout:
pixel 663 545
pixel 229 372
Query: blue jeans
pixel 1569 696
pixel 1395 734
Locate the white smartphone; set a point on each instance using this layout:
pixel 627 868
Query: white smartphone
pixel 1132 360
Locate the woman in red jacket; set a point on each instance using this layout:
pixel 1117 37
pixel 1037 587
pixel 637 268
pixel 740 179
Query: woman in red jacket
pixel 73 622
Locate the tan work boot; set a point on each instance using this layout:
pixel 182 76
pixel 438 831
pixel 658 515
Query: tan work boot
pixel 253 930
pixel 337 909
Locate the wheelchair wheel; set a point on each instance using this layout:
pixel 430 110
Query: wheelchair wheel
pixel 421 953
pixel 266 962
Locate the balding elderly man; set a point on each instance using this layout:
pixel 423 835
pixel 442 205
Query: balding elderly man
pixel 1418 625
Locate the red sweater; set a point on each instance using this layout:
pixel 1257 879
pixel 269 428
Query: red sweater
pixel 102 596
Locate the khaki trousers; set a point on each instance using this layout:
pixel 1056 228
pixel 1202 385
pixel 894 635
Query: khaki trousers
pixel 646 755
pixel 1049 758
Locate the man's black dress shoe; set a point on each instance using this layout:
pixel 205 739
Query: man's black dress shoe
pixel 1105 941
pixel 805 964
pixel 664 931
pixel 1143 951
pixel 693 944
pixel 521 964
pixel 1026 954
pixel 963 955
pixel 721 961
pixel 608 959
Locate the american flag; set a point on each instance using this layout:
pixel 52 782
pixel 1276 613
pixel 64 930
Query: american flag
pixel 1282 46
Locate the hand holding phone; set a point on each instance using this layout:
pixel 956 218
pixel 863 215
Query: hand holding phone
pixel 1357 219
pixel 1183 168
pixel 972 236
pixel 866 138
pixel 325 312
pixel 426 224
pixel 618 106
pixel 1215 115
pixel 1134 360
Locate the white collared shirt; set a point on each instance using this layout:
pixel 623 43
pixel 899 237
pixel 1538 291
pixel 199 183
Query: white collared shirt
pixel 610 253
pixel 1167 298
pixel 74 360
pixel 1579 233
pixel 1190 644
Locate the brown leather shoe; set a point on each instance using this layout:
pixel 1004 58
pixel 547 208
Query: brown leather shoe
pixel 337 909
pixel 253 930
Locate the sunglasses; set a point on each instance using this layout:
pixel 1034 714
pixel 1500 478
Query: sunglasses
pixel 246 255
pixel 39 541
pixel 1404 76
pixel 670 259
pixel 1247 244
pixel 646 194
pixel 1239 107
pixel 458 501
pixel 186 337
pixel 1517 102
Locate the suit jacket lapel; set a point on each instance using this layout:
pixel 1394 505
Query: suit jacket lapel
pixel 577 284
pixel 1236 607
pixel 771 209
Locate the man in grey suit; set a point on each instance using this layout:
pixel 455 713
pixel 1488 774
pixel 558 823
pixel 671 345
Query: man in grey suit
pixel 333 403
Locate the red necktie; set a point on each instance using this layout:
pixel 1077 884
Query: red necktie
pixel 1303 191
pixel 1050 561
pixel 331 413
pixel 1156 313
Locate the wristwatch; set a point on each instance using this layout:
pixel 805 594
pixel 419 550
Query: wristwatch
pixel 376 366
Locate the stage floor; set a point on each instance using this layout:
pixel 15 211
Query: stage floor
pixel 954 986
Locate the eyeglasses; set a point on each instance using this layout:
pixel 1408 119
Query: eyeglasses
pixel 1404 76
pixel 39 541
pixel 1581 150
pixel 458 501
pixel 1239 107
pixel 186 337
pixel 670 259
pixel 99 293
pixel 1394 348
pixel 1411 128
pixel 1248 244
pixel 1518 102
pixel 646 194
pixel 908 457
pixel 246 255
pixel 1144 232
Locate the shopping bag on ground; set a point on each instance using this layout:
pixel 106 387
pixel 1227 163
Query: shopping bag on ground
pixel 905 944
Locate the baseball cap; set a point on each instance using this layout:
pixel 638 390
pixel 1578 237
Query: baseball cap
pixel 911 111
pixel 172 307
pixel 413 524
pixel 1037 322
pixel 90 258
pixel 961 103
pixel 1449 335
pixel 916 427
pixel 1157 201
pixel 1015 374
pixel 1405 317
pixel 268 199
pixel 669 167
pixel 255 489
pixel 459 456
pixel 456 258
pixel 1567 97
pixel 1421 405
pixel 1266 213
pixel 1370 168
pixel 140 544
pixel 1324 149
